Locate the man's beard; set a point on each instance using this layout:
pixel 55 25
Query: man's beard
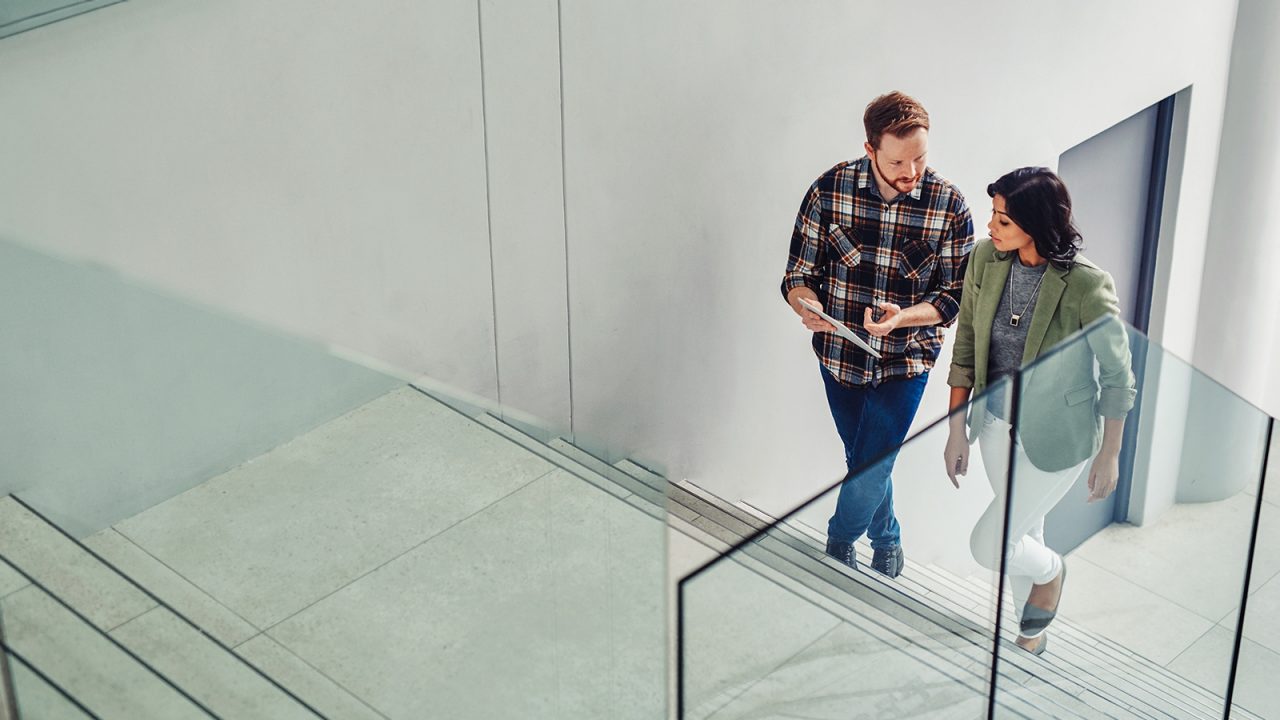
pixel 896 182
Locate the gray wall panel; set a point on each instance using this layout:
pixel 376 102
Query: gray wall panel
pixel 316 166
pixel 522 111
pixel 117 397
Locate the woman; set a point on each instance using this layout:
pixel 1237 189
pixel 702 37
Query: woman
pixel 1026 290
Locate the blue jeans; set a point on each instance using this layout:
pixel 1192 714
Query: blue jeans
pixel 870 421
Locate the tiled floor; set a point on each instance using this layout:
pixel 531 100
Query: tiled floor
pixel 384 576
pixel 1170 592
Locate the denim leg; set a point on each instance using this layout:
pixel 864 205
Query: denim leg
pixel 846 405
pixel 870 420
pixel 887 419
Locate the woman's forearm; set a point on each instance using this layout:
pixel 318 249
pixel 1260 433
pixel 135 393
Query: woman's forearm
pixel 1112 436
pixel 959 398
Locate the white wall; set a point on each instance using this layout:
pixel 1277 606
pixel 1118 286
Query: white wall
pixel 321 167
pixel 694 130
pixel 1239 315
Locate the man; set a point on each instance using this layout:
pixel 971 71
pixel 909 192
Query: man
pixel 881 240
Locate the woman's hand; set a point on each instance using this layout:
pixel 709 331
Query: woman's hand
pixel 1103 475
pixel 956 456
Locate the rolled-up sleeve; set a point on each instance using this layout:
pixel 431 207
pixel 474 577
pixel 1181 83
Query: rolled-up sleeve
pixel 954 248
pixel 806 264
pixel 1100 315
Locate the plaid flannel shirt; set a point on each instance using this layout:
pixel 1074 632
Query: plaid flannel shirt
pixel 855 250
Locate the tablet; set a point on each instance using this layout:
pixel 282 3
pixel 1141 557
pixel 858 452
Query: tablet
pixel 841 330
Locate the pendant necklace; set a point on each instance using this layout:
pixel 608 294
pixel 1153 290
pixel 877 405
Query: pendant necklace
pixel 1016 319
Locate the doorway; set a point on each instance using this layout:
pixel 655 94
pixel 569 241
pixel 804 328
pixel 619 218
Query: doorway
pixel 1117 180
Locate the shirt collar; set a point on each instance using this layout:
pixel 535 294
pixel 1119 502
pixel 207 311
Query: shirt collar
pixel 867 181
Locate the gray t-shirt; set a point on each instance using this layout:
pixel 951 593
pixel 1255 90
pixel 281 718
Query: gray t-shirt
pixel 1008 340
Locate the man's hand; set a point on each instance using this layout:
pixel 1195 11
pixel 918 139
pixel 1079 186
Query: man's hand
pixel 888 321
pixel 812 320
pixel 1103 475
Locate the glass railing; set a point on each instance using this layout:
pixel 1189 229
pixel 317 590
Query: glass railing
pixel 1157 568
pixel 774 628
pixel 1159 515
pixel 1252 684
pixel 244 509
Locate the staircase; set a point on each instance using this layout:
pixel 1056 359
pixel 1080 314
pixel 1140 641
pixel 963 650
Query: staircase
pixel 1083 676
pixel 379 566
pixel 111 644
pixel 119 629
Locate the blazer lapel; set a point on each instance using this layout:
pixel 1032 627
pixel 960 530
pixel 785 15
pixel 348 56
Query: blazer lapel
pixel 1046 303
pixel 994 277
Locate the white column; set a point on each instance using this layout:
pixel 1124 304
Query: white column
pixel 1240 308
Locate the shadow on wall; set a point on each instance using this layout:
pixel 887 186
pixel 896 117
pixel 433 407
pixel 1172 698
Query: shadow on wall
pixel 118 397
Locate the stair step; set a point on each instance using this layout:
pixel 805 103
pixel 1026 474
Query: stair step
pixel 42 552
pixel 79 620
pixel 951 591
pixel 938 647
pixel 79 657
pixel 730 524
pixel 37 697
pixel 1076 652
pixel 605 470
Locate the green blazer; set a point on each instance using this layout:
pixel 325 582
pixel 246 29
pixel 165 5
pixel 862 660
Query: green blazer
pixel 1059 413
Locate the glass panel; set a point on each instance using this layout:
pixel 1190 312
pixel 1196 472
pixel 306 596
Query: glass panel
pixel 361 538
pixel 1255 690
pixel 1134 621
pixel 777 628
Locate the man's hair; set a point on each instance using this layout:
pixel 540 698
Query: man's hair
pixel 895 113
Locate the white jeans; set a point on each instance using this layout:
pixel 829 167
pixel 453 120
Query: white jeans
pixel 1035 492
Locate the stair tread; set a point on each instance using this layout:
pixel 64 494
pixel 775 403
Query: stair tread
pixel 1190 697
pixel 80 618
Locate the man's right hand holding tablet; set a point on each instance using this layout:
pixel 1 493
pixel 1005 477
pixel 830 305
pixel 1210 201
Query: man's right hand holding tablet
pixel 811 320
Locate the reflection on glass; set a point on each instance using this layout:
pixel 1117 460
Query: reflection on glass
pixel 777 628
pixel 394 538
pixel 1130 609
pixel 1255 690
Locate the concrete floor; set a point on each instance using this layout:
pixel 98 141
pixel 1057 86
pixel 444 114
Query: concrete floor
pixel 1170 591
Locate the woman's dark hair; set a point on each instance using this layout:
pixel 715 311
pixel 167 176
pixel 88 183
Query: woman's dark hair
pixel 1037 200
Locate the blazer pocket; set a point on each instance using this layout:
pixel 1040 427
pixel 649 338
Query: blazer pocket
pixel 1081 394
pixel 847 248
